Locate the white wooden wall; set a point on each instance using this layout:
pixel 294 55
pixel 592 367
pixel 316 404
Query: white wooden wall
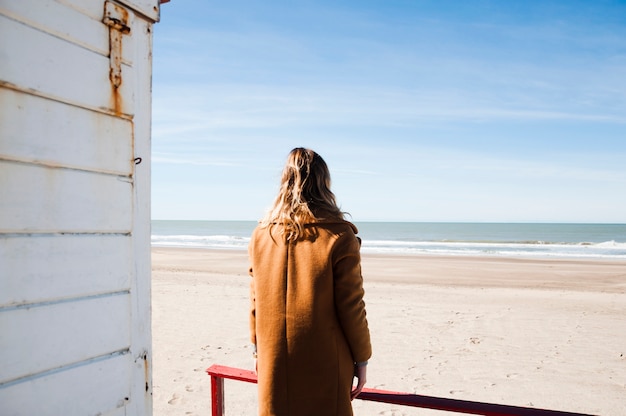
pixel 75 208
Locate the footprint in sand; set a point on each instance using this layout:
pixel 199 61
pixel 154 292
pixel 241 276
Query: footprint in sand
pixel 421 377
pixel 392 412
pixel 175 399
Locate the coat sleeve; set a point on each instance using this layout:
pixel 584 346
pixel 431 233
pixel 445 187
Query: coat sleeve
pixel 349 294
pixel 252 312
pixel 252 318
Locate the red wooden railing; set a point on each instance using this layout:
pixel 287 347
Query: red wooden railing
pixel 219 372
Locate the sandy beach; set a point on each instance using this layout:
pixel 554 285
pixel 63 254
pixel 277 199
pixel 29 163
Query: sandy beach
pixel 537 333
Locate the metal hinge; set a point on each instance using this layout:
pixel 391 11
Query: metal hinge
pixel 117 18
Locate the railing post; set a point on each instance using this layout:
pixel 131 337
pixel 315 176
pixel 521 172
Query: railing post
pixel 217 395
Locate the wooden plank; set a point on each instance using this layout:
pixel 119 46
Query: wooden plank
pixel 149 8
pixel 48 67
pixel 100 387
pixel 141 284
pixel 120 411
pixel 141 321
pixel 232 373
pixel 457 406
pixel 217 396
pixel 50 267
pixel 63 135
pixel 93 9
pixel 44 338
pixel 44 199
pixel 80 26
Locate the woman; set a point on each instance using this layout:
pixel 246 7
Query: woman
pixel 307 318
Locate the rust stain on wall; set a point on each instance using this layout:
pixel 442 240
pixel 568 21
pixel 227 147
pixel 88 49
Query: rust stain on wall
pixel 117 102
pixel 117 18
pixel 146 370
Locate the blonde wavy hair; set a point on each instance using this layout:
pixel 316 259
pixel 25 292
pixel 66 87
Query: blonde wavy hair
pixel 304 195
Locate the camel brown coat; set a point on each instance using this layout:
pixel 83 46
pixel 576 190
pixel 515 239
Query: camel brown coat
pixel 307 319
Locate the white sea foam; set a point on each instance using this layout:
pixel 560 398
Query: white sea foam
pixel 471 239
pixel 608 249
pixel 201 241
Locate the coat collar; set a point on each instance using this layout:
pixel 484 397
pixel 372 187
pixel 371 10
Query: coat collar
pixel 333 222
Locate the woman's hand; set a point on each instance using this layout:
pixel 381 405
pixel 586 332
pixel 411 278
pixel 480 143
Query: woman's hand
pixel 360 372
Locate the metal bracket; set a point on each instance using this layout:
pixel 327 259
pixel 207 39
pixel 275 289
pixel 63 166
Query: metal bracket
pixel 116 17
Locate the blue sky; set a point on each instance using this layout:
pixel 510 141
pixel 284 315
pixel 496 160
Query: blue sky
pixel 503 111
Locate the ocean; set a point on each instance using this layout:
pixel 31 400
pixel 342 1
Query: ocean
pixel 538 240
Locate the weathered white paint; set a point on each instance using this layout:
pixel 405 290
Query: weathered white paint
pixel 51 72
pixel 100 384
pixel 75 208
pixel 82 147
pixel 33 281
pixel 61 326
pixel 62 200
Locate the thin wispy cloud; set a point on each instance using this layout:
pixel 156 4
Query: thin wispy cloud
pixel 397 96
pixel 249 106
pixel 193 160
